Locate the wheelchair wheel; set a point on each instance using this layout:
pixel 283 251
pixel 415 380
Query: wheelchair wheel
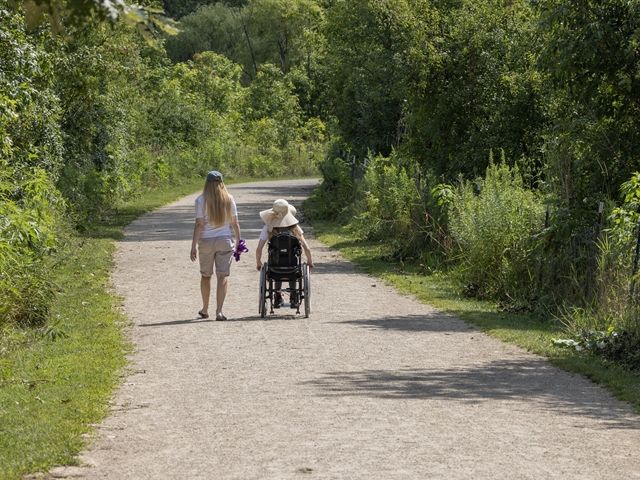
pixel 306 284
pixel 262 305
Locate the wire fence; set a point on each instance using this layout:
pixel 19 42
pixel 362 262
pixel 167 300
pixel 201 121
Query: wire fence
pixel 358 169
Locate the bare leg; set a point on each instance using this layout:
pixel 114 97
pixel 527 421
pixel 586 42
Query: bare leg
pixel 205 290
pixel 221 292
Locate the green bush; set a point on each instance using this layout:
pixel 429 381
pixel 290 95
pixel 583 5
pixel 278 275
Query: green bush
pixel 390 205
pixel 330 199
pixel 596 334
pixel 29 223
pixel 98 117
pixel 270 109
pixel 612 305
pixel 31 155
pixel 494 230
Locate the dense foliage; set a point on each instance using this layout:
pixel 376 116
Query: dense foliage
pixel 414 95
pixel 280 32
pixel 31 156
pixel 493 227
pixel 492 141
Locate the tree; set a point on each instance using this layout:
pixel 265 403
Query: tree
pixel 177 9
pixel 270 107
pixel 472 86
pixel 211 28
pixel 261 31
pixel 365 78
pixel 31 156
pixel 75 13
pixel 591 54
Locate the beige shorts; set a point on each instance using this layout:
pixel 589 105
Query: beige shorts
pixel 218 250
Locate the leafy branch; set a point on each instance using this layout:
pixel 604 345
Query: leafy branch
pixel 147 20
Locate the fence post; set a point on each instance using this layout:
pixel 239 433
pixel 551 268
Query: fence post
pixel 598 226
pixel 599 289
pixel 592 258
pixel 634 270
pixel 546 225
pixel 353 170
pixel 546 216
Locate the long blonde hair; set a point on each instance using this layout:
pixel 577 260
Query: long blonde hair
pixel 292 229
pixel 217 203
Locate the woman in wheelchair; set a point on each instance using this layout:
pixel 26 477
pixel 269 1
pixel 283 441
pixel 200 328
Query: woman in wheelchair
pixel 281 219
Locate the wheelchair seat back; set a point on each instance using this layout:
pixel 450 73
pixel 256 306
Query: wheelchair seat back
pixel 284 256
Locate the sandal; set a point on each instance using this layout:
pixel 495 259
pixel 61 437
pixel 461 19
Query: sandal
pixel 203 315
pixel 221 317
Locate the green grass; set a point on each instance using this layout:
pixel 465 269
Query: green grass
pixel 57 381
pixel 529 331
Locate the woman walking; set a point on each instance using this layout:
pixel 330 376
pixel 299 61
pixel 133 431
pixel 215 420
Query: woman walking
pixel 216 223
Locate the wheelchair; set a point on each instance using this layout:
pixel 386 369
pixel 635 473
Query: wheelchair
pixel 284 265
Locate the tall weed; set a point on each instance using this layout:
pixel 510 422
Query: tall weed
pixel 390 204
pixel 30 211
pixel 494 230
pixel 331 199
pixel 613 306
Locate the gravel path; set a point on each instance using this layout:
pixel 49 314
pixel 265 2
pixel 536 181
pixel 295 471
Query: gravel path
pixel 374 385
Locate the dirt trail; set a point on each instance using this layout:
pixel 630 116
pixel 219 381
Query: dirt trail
pixel 373 385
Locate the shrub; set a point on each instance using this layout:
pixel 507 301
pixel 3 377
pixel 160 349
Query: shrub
pixel 494 230
pixel 613 306
pixel 328 201
pixel 29 220
pixel 390 202
pixel 596 334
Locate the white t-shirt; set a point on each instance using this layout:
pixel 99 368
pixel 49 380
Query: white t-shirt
pixel 264 234
pixel 210 231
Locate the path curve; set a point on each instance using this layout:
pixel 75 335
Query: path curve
pixel 373 385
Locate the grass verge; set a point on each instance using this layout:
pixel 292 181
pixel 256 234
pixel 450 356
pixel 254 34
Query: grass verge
pixel 56 382
pixel 529 331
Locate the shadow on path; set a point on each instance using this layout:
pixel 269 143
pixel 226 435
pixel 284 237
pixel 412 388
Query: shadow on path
pixel 188 321
pixel 252 318
pixel 435 322
pixel 498 380
pixel 175 223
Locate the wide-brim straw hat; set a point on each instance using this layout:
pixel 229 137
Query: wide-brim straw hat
pixel 280 215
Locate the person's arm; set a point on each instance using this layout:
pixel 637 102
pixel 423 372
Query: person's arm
pixel 259 253
pixel 236 229
pixel 197 230
pixel 307 253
